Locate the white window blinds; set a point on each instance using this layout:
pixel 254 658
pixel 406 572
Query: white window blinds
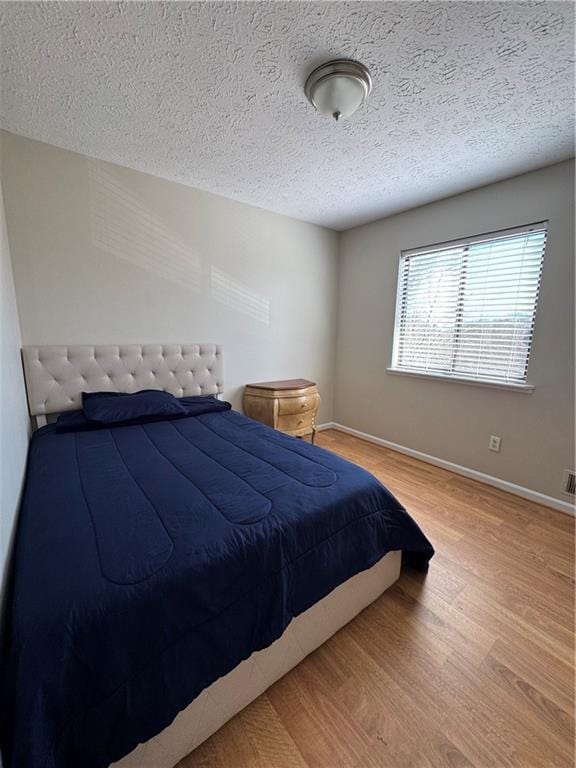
pixel 466 309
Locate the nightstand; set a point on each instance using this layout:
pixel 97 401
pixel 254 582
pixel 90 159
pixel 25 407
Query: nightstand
pixel 289 406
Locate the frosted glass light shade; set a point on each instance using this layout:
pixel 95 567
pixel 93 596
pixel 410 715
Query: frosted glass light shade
pixel 338 95
pixel 338 87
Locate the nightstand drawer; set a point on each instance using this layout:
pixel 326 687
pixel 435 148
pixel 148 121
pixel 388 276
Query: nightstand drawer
pixel 297 404
pixel 296 422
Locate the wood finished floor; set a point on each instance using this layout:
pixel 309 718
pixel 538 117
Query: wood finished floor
pixel 470 665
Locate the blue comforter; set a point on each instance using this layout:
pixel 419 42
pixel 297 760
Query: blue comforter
pixel 151 559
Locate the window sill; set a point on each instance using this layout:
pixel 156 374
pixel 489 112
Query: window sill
pixel 526 389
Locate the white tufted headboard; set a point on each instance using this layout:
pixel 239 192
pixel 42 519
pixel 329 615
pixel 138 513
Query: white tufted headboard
pixel 57 376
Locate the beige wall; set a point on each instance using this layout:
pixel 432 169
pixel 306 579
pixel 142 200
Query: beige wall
pixel 103 254
pixel 448 420
pixel 106 254
pixel 13 413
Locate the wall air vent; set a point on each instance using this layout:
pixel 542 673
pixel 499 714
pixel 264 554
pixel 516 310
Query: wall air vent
pixel 570 482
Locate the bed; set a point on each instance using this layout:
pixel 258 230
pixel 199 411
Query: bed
pixel 167 572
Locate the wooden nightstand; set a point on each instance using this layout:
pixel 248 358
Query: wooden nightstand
pixel 289 406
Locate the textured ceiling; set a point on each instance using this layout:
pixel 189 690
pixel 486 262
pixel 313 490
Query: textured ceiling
pixel 211 94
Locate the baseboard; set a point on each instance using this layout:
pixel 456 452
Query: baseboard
pixel 327 425
pixel 496 482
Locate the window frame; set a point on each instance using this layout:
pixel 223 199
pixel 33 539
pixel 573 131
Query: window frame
pixel 465 242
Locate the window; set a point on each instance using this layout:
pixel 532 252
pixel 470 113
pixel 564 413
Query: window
pixel 465 309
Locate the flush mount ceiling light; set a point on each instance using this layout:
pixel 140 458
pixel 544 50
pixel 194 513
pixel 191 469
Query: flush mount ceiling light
pixel 338 87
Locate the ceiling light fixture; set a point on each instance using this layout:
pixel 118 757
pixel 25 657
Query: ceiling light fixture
pixel 338 87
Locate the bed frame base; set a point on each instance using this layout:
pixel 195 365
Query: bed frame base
pixel 230 694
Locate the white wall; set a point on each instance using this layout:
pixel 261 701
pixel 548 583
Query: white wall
pixel 103 254
pixel 448 420
pixel 13 411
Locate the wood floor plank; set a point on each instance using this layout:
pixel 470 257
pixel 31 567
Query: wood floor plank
pixel 469 666
pixel 505 705
pixel 503 622
pixel 268 735
pixel 317 725
pixel 389 713
pixel 554 717
pixel 429 705
pixel 538 669
pixel 207 755
pixel 451 625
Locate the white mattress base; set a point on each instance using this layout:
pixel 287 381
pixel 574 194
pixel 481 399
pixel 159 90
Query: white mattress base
pixel 231 693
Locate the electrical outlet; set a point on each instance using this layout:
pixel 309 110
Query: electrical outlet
pixel 494 443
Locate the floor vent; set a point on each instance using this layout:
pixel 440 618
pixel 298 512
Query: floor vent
pixel 570 482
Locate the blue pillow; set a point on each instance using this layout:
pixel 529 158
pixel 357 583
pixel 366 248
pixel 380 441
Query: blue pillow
pixel 117 407
pixel 75 421
pixel 196 405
